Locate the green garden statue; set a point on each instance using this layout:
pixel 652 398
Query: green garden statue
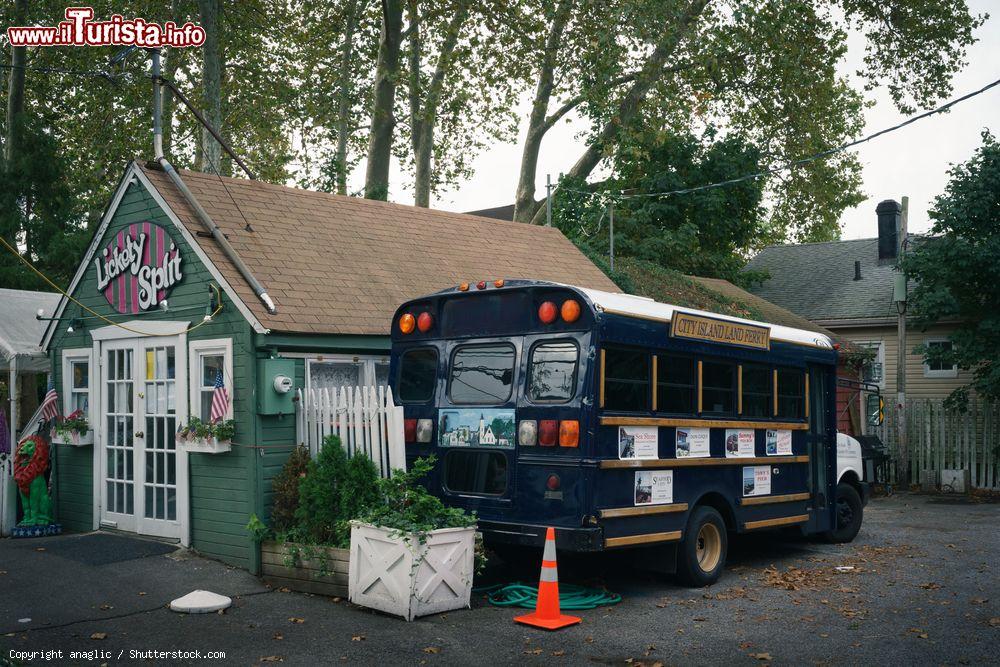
pixel 30 462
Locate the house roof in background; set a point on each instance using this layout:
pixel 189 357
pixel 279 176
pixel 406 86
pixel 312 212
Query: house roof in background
pixel 497 212
pixel 770 312
pixel 341 265
pixel 816 280
pixel 20 330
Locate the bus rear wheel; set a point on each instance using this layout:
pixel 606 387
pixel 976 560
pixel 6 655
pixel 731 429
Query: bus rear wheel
pixel 701 555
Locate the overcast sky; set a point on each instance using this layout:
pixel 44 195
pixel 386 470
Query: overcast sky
pixel 912 161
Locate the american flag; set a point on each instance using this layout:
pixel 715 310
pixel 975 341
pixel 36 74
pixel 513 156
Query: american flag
pixel 220 399
pixel 50 406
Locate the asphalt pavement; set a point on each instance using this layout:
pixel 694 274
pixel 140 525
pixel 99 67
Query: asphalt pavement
pixel 919 586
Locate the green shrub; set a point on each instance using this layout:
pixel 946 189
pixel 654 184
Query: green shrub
pixel 334 490
pixel 286 490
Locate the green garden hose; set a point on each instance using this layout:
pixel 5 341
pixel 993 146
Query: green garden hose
pixel 570 596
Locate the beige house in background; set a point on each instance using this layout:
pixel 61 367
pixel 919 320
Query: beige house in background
pixel 847 287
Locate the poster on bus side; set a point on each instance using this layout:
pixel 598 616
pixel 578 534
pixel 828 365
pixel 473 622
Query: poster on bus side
pixel 638 442
pixel 778 443
pixel 756 480
pixel 739 443
pixel 691 443
pixel 654 487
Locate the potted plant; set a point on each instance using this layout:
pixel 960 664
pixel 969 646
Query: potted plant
pixel 314 502
pixel 207 437
pixel 74 429
pixel 410 554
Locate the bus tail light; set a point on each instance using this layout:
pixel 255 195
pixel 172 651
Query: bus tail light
pixel 424 429
pixel 406 323
pixel 553 482
pixel 570 310
pixel 527 433
pixel 424 322
pixel 569 433
pixel 547 312
pixel 410 430
pixel 548 432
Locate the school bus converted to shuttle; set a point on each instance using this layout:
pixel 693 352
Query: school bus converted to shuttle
pixel 621 421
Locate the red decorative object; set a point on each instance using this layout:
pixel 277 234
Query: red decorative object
pixel 26 469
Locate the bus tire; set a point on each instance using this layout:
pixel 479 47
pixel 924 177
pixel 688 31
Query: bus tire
pixel 848 515
pixel 701 555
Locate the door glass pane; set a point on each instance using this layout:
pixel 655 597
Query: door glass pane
pixel 159 483
pixel 330 374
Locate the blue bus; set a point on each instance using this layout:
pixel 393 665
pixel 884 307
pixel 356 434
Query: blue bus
pixel 621 421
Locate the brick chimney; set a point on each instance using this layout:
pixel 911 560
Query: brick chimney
pixel 890 218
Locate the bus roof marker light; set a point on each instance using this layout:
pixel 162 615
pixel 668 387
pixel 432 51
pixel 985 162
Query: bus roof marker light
pixel 570 310
pixel 498 283
pixel 547 312
pixel 407 323
pixel 481 284
pixel 424 322
pixel 463 287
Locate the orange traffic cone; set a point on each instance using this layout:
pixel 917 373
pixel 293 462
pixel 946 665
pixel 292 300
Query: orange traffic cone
pixel 546 614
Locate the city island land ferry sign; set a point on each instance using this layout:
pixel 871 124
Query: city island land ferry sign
pixel 699 327
pixel 136 270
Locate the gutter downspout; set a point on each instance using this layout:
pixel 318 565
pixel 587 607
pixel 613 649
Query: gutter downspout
pixel 200 212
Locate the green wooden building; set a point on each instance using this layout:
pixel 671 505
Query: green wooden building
pixel 177 310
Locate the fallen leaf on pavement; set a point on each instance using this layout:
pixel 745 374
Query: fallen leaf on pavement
pixel 431 649
pixel 979 600
pixel 589 640
pixel 99 635
pixel 761 656
pixel 284 589
pixel 559 653
pixel 39 548
pixel 278 635
pixel 106 606
pixel 930 586
pixel 295 619
pixel 745 645
pixel 358 638
pixel 532 651
pixel 995 622
pixel 271 658
pixel 142 592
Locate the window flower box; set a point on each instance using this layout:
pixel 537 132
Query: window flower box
pixel 305 568
pixel 206 438
pixel 73 430
pixel 404 575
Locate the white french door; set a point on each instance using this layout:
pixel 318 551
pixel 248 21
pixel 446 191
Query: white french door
pixel 143 403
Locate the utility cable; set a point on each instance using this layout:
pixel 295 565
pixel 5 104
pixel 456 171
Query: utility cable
pixel 99 316
pixel 801 161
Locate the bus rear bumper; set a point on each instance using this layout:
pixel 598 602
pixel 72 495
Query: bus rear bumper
pixel 569 539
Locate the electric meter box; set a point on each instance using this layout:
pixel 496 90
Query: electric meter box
pixel 275 386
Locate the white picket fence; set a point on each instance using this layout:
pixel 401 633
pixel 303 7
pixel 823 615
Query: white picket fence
pixel 366 419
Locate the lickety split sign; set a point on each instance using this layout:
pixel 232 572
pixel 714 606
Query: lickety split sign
pixel 137 269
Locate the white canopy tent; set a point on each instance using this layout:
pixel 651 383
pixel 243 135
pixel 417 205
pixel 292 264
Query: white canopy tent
pixel 20 353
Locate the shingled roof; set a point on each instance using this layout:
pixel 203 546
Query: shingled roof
pixel 341 265
pixel 816 280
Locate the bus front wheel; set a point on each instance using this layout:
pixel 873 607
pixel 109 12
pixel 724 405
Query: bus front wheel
pixel 701 554
pixel 848 515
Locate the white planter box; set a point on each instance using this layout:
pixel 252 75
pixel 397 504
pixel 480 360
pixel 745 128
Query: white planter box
pixel 74 439
pixel 398 575
pixel 206 445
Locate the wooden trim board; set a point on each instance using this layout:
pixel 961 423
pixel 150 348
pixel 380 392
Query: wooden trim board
pixel 650 538
pixel 689 463
pixel 641 511
pixel 705 423
pixel 771 523
pixel 768 500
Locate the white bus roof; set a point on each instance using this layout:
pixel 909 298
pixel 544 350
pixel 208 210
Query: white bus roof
pixel 644 308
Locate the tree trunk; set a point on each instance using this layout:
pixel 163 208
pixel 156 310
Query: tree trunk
pixel 210 157
pixel 426 118
pixel 15 89
pixel 628 107
pixel 415 91
pixel 344 99
pixel 524 200
pixel 383 120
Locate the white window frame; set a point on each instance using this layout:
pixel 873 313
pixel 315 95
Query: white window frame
pixel 368 360
pixel 944 373
pixel 69 355
pixel 202 348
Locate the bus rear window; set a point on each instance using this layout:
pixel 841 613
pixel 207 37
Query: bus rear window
pixel 552 372
pixel 418 374
pixel 482 374
pixel 476 472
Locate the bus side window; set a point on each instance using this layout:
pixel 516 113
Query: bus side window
pixel 626 380
pixel 791 393
pixel 676 384
pixel 718 387
pixel 757 392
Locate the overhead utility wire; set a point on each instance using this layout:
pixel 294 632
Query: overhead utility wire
pixel 800 161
